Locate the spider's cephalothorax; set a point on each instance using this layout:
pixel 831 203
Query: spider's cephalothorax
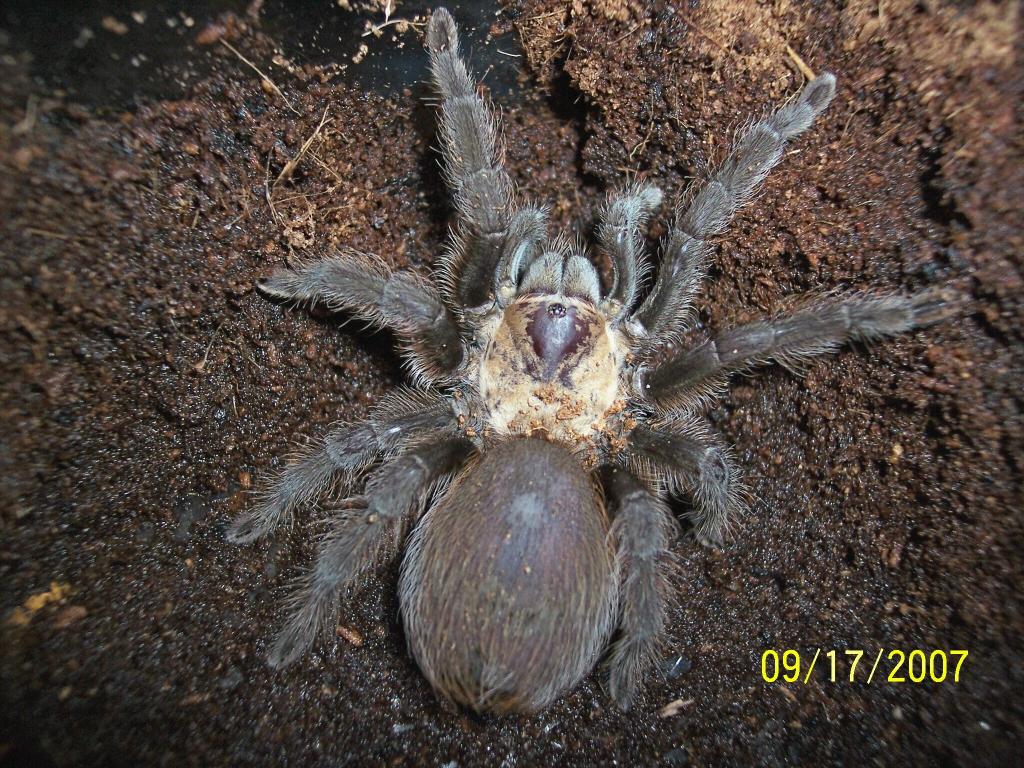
pixel 532 459
pixel 551 364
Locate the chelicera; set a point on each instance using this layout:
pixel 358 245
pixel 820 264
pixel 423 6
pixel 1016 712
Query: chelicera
pixel 524 475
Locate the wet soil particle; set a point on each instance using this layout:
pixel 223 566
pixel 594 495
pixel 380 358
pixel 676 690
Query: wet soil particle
pixel 145 387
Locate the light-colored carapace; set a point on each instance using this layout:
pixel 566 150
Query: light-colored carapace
pixel 551 365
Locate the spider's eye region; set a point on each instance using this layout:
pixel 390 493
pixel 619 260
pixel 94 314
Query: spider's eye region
pixel 556 332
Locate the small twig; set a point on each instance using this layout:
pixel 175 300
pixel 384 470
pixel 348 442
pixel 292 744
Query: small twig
pixel 29 120
pixel 289 167
pixel 237 219
pixel 847 126
pixel 627 33
pixel 960 109
pixel 800 64
pixel 647 137
pixel 674 707
pixel 243 350
pixel 888 132
pixel 56 235
pixel 324 211
pixel 326 167
pixel 267 194
pixel 707 36
pixel 964 151
pixel 246 211
pixel 544 16
pixel 374 29
pixel 259 72
pixel 201 365
pixel 283 200
pixel 179 332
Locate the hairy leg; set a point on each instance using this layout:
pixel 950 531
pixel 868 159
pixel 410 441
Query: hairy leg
pixel 621 236
pixel 473 169
pixel 394 495
pixel 667 309
pixel 402 301
pixel 697 374
pixel 345 451
pixel 642 529
pixel 527 233
pixel 687 460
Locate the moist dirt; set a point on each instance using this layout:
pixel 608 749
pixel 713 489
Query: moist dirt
pixel 146 388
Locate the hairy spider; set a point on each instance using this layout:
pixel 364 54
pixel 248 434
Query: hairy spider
pixel 533 456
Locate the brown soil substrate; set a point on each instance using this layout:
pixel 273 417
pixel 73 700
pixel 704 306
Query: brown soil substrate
pixel 146 386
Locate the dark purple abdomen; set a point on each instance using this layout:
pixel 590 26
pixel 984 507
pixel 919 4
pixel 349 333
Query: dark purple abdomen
pixel 508 589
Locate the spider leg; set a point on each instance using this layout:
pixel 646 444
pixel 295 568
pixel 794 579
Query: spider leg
pixel 697 374
pixel 527 233
pixel 642 529
pixel 361 537
pixel 473 169
pixel 667 308
pixel 621 236
pixel 402 301
pixel 684 457
pixel 343 453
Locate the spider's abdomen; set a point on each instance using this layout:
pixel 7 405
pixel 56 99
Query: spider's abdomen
pixel 552 364
pixel 508 588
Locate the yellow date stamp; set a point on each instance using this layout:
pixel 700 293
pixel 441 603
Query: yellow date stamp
pixel 856 666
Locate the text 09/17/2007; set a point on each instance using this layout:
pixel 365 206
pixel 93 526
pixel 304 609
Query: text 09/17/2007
pixel 889 666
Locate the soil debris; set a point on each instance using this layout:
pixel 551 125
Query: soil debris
pixel 130 244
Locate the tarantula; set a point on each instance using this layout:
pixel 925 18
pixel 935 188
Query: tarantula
pixel 533 457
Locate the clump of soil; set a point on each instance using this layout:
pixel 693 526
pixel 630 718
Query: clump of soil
pixel 146 388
